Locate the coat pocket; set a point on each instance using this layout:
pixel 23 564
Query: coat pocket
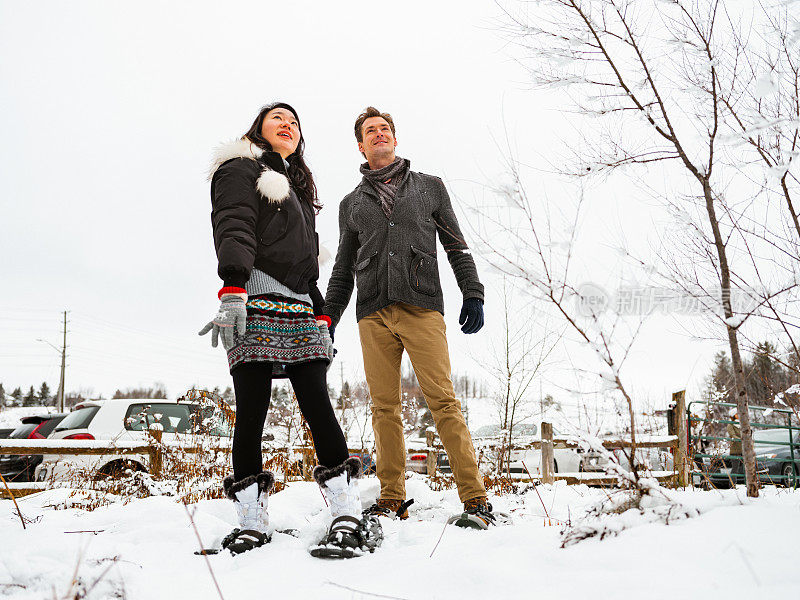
pixel 273 227
pixel 367 277
pixel 424 274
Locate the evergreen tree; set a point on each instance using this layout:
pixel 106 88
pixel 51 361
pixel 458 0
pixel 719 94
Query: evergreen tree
pixel 16 396
pixel 766 376
pixel 44 395
pixel 718 388
pixel 2 395
pixel 30 398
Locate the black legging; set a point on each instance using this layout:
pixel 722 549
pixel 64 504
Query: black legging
pixel 253 385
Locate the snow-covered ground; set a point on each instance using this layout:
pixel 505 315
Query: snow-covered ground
pixel 144 550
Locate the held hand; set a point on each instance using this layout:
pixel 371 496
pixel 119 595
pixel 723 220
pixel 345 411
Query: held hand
pixel 471 317
pixel 327 341
pixel 232 315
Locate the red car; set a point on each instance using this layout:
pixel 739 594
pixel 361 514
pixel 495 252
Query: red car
pixel 20 467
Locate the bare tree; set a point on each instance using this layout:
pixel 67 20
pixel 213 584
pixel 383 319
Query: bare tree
pixel 522 359
pixel 284 414
pixel 762 97
pixel 526 241
pixel 666 77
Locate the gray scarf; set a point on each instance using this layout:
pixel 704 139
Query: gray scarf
pixel 386 180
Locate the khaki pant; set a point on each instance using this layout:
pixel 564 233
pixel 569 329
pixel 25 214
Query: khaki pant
pixel 421 332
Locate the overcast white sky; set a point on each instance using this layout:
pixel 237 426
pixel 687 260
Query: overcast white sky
pixel 109 115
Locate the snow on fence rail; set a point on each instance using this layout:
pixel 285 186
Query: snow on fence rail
pixel 548 442
pixel 155 449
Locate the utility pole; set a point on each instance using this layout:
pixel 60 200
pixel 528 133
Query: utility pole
pixel 63 352
pixel 63 367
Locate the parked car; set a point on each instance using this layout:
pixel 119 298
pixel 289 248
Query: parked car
pixel 125 420
pixel 21 467
pixel 443 463
pixel 774 463
pixel 367 462
pixel 5 432
pixel 416 456
pixel 417 462
pixel 566 460
pixel 652 459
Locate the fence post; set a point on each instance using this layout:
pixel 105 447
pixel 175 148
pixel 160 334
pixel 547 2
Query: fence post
pixel 429 438
pixel 682 452
pixel 156 454
pixel 547 468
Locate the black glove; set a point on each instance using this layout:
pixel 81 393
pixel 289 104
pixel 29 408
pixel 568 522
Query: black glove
pixel 331 330
pixel 471 317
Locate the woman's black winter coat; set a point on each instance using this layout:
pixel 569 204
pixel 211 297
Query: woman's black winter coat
pixel 259 221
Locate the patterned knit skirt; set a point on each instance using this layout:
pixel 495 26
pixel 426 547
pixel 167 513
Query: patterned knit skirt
pixel 280 331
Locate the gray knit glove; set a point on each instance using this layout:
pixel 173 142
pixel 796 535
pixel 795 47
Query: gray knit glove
pixel 232 314
pixel 326 341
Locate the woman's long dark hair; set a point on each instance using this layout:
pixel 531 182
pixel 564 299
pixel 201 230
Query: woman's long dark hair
pixel 299 173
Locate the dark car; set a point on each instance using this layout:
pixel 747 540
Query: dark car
pixel 20 467
pixel 443 463
pixel 4 433
pixel 774 461
pixel 778 464
pixel 367 462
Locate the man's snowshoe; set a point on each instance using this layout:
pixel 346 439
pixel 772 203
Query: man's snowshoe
pixel 391 509
pixel 477 514
pixel 349 537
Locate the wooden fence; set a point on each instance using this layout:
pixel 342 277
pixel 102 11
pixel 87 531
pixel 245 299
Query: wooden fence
pixel 154 450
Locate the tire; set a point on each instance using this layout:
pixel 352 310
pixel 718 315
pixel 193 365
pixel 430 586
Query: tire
pixel 118 468
pixel 790 479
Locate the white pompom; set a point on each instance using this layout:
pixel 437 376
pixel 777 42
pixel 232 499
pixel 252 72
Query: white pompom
pixel 273 186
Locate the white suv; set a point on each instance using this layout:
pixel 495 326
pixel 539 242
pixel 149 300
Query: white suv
pixel 124 420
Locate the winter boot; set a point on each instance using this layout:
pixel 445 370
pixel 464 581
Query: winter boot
pixel 250 497
pixel 477 514
pixel 350 533
pixel 392 509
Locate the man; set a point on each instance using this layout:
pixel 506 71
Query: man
pixel 387 242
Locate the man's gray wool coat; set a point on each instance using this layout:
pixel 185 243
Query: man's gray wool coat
pixel 393 259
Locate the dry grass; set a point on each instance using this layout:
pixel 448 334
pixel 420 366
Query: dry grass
pixel 192 472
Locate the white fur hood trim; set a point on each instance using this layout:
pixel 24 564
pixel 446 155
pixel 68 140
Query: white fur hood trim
pixel 271 185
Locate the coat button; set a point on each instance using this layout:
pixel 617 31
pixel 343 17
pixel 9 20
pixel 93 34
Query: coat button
pixel 391 253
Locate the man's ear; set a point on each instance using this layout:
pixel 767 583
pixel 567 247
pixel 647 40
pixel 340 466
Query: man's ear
pixel 361 147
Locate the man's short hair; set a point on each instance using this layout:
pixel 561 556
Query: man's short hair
pixel 371 111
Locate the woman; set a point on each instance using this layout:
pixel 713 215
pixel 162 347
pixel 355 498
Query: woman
pixel 264 203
